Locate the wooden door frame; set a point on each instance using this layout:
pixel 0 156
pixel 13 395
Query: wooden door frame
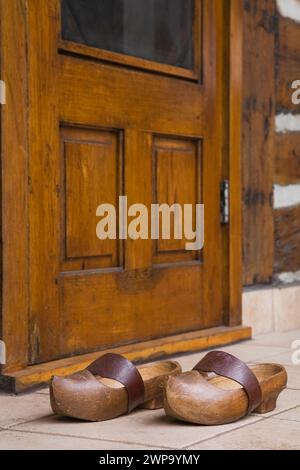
pixel 15 327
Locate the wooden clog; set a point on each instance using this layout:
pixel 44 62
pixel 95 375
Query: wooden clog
pixel 110 387
pixel 233 393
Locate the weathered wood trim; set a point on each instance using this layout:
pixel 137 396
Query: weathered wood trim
pixel 14 178
pixel 287 239
pixel 235 161
pixel 258 140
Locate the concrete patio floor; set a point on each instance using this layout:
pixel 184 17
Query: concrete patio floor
pixel 26 421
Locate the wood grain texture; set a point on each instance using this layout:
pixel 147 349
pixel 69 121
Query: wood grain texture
pixel 110 401
pixel 287 158
pixel 177 179
pixel 235 161
pixel 117 85
pixel 88 309
pixel 214 139
pixel 44 172
pixel 166 301
pixel 14 182
pixel 287 239
pixel 137 187
pixel 258 140
pixel 90 177
pixel 195 398
pixel 287 63
pixel 151 350
pixel 74 309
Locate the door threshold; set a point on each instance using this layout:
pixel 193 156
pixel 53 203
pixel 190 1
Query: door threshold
pixel 40 374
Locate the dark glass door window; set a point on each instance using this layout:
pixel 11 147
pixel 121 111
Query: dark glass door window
pixel 156 30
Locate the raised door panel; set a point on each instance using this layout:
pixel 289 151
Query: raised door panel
pixel 176 181
pixel 99 310
pixel 92 175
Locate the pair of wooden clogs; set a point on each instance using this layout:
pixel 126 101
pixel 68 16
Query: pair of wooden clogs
pixel 220 389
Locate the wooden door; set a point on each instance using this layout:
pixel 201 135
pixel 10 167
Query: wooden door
pixel 125 99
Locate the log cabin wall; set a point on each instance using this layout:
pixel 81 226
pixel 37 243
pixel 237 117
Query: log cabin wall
pixel 258 140
pixel 271 164
pixel 271 141
pixel 287 144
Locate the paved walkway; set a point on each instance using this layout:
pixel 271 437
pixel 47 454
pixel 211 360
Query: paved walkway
pixel 26 421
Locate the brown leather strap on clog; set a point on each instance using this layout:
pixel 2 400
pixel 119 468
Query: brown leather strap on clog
pixel 222 363
pixel 116 367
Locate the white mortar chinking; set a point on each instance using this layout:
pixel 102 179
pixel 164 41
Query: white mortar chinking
pixel 287 123
pixel 288 277
pixel 2 353
pixel 289 9
pixel 286 196
pixel 2 92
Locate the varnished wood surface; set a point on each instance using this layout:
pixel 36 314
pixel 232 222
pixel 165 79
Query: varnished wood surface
pixel 83 308
pixel 14 184
pixel 236 29
pixel 194 398
pixel 63 94
pixel 45 184
pixel 79 396
pixel 92 165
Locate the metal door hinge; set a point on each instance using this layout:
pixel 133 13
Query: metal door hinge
pixel 2 92
pixel 224 202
